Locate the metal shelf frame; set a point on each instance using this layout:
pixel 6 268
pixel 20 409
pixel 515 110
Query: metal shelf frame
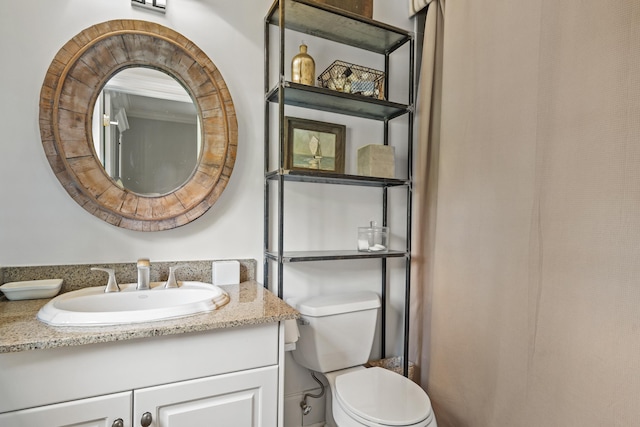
pixel 327 22
pixel 323 99
pixel 334 178
pixel 306 256
pixel 330 23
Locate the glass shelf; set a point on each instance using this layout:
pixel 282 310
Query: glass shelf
pixel 309 256
pixel 337 25
pixel 337 102
pixel 335 178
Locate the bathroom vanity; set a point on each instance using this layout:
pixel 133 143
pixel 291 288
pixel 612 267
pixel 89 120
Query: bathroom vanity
pixel 223 367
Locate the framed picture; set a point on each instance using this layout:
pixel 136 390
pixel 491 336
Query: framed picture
pixel 314 146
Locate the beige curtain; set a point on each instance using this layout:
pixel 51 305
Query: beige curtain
pixel 526 274
pixel 416 6
pixel 425 181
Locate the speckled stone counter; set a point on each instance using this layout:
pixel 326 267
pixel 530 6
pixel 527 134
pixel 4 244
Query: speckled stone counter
pixel 250 304
pixel 77 276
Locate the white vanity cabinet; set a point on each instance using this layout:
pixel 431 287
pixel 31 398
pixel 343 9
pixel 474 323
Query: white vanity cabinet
pixel 101 411
pixel 227 377
pixel 240 399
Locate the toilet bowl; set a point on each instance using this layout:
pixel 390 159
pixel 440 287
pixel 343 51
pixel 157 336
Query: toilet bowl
pixel 336 335
pixel 376 397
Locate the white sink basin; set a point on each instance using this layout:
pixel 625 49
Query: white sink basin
pixel 93 307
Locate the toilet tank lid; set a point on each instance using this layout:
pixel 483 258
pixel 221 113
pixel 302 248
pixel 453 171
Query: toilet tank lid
pixel 327 305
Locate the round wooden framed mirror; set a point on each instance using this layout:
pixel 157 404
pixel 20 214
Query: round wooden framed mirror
pixel 74 82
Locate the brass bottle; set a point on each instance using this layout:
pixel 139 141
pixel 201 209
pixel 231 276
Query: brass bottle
pixel 303 67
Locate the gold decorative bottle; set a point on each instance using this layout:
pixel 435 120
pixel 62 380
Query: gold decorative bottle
pixel 303 67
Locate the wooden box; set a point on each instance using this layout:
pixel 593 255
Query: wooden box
pixel 377 160
pixel 359 7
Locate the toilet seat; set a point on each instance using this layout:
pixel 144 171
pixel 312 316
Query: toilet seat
pixel 379 397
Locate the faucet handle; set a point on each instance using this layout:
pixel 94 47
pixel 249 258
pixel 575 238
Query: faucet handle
pixel 171 280
pixel 112 285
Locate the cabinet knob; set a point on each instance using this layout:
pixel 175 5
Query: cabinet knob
pixel 118 423
pixel 146 419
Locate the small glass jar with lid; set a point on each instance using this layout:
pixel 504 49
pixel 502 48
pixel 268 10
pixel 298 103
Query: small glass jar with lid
pixel 373 238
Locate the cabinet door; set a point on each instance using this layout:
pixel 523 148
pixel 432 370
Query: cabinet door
pixel 241 399
pixel 101 411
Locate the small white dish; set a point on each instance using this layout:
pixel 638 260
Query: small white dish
pixel 32 289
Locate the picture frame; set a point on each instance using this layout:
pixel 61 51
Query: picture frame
pixel 314 146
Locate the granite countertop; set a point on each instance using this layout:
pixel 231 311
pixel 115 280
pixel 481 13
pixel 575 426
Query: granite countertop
pixel 250 304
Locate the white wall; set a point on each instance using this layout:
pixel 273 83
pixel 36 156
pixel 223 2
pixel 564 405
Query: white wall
pixel 39 222
pixel 41 225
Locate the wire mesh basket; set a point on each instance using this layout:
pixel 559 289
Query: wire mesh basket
pixel 350 78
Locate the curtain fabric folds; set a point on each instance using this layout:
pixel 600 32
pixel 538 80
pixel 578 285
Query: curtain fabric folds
pixel 525 306
pixel 416 6
pixel 425 182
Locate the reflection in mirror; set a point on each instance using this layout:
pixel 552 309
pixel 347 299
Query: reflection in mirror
pixel 146 131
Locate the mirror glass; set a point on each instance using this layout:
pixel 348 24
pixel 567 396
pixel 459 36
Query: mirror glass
pixel 146 131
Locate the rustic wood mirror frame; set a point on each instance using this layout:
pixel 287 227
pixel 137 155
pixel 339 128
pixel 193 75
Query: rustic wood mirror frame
pixel 72 84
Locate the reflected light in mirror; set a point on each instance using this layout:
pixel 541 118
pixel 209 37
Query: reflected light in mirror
pixel 146 131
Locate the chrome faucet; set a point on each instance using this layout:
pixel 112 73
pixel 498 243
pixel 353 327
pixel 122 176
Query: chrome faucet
pixel 171 280
pixel 144 268
pixel 112 285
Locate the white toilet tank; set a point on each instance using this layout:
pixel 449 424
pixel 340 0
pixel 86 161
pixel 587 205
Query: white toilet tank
pixel 337 330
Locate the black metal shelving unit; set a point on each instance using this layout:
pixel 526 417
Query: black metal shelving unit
pixel 337 102
pixel 332 178
pixel 307 17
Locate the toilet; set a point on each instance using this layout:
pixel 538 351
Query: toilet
pixel 336 335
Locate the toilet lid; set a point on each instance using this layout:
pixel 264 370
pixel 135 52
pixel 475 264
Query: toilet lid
pixel 383 397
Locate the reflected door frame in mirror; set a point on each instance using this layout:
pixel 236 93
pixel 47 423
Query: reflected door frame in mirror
pixel 146 131
pixel 72 84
